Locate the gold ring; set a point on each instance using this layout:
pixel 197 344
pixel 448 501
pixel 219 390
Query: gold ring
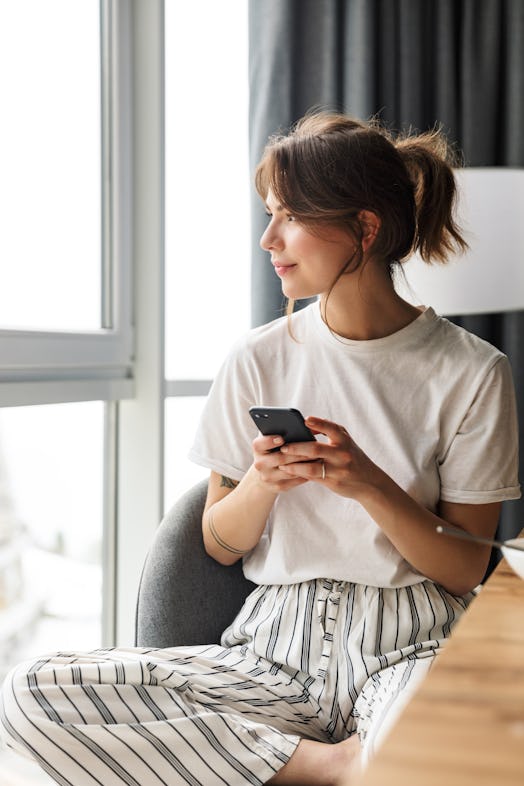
pixel 323 471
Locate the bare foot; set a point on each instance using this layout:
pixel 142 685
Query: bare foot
pixel 351 766
pixel 321 764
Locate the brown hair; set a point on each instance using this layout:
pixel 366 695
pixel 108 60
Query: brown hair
pixel 331 166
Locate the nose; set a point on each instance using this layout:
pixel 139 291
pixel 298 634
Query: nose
pixel 270 238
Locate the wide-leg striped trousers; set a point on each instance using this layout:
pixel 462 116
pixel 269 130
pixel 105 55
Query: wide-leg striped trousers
pixel 318 660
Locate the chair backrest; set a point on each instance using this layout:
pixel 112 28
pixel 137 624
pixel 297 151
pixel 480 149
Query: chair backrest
pixel 185 597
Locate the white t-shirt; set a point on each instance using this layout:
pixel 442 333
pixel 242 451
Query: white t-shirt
pixel 431 404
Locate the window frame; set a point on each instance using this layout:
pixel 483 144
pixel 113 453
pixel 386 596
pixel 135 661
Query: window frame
pixel 58 366
pixel 122 365
pixel 48 367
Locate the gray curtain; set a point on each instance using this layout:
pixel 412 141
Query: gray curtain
pixel 413 63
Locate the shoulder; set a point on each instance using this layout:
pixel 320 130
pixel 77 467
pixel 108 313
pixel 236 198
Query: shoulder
pixel 462 347
pixel 277 335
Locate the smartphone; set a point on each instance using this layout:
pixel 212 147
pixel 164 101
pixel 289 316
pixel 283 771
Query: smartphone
pixel 286 422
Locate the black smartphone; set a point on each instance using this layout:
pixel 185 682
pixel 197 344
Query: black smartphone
pixel 284 421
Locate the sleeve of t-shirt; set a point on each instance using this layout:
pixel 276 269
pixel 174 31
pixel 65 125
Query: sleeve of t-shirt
pixel 224 434
pixel 481 465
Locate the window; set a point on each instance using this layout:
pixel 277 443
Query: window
pixel 65 301
pixel 90 354
pixel 51 527
pixel 66 341
pixel 207 212
pixel 50 159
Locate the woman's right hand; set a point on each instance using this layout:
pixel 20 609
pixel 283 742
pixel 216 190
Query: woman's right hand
pixel 237 512
pixel 266 463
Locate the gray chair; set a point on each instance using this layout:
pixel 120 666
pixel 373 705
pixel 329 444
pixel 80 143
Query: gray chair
pixel 185 597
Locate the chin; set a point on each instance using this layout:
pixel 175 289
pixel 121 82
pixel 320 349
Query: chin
pixel 297 294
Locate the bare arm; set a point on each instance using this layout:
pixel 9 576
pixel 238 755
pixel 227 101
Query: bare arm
pixel 235 513
pixel 458 565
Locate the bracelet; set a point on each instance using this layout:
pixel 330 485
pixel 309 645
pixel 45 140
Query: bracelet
pixel 219 540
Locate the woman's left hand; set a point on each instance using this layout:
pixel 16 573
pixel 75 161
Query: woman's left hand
pixel 338 464
pixel 343 467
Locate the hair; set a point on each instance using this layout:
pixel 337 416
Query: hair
pixel 331 166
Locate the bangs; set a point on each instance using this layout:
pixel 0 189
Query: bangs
pixel 291 174
pixel 272 174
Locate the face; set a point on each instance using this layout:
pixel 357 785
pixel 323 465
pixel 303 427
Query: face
pixel 306 264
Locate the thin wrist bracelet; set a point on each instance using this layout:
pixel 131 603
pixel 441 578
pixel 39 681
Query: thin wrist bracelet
pixel 219 540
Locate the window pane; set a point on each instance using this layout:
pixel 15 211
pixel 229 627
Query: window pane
pixel 207 184
pixel 50 160
pixel 181 418
pixel 51 513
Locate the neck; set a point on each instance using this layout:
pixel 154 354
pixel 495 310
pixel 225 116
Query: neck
pixel 364 305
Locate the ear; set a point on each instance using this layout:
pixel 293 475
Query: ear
pixel 370 224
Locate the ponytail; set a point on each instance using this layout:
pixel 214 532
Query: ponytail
pixel 429 160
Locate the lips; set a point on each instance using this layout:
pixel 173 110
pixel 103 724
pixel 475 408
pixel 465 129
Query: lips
pixel 282 269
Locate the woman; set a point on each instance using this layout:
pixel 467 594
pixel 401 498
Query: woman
pixel 357 592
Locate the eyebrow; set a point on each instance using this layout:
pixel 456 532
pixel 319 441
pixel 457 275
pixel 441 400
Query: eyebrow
pixel 278 208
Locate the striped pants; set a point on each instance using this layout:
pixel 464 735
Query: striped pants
pixel 318 660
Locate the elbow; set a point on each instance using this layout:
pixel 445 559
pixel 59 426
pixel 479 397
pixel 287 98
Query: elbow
pixel 462 574
pixel 218 554
pixel 224 559
pixel 463 583
pixel 459 588
pixel 226 562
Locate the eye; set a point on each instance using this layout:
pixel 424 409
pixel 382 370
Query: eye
pixel 290 217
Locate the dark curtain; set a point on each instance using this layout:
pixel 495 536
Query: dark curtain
pixel 414 63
